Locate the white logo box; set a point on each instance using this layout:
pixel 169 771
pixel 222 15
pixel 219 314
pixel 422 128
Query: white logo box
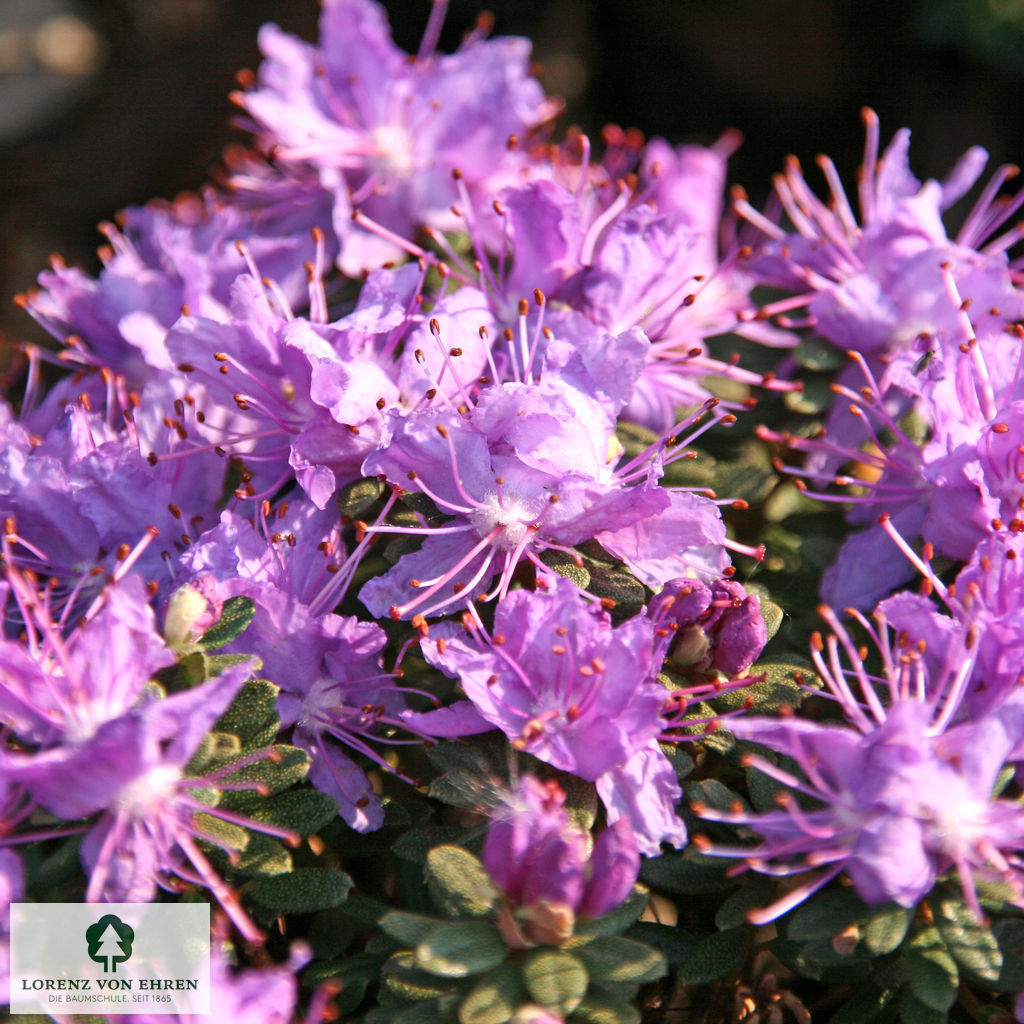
pixel 111 958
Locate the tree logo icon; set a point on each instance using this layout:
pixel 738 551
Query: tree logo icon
pixel 110 941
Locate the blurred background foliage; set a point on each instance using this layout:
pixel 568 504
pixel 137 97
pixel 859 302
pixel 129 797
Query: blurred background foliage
pixel 105 103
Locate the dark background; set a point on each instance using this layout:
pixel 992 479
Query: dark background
pixel 123 100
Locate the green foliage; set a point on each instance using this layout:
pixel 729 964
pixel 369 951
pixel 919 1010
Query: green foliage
pixel 235 616
pixel 969 941
pixel 714 957
pixel 358 497
pixel 556 979
pixel 495 998
pixel 460 949
pixel 615 921
pixel 615 959
pixel 302 811
pixel 409 929
pixel 301 891
pixel 931 972
pixel 252 716
pixel 458 882
pixel 565 565
pixel 686 873
pixel 281 767
pixel 349 979
pixel 882 928
pixel 599 1007
pixel 473 772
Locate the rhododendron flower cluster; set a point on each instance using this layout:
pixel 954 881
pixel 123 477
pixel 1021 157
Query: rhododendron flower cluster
pixel 412 496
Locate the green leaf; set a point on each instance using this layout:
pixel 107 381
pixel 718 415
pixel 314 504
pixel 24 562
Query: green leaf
pixel 780 687
pixel 403 979
pixel 756 892
pixel 252 712
pixel 474 772
pixel 772 615
pixel 971 943
pixel 331 932
pixel 818 355
pixel 263 856
pixel 235 616
pixel 815 397
pixel 555 978
pixel 221 833
pixel 931 971
pixel 415 844
pixel 365 910
pixel 300 891
pixel 676 945
pixel 714 957
pixel 688 873
pixel 913 1011
pixel 427 1012
pixel 495 999
pixel 715 794
pixel 603 1008
pixel 563 564
pixel 461 948
pixel 866 1005
pixel 1009 933
pixel 883 927
pixel 350 979
pixel 634 438
pixel 749 477
pixel 613 584
pixel 301 810
pixel 459 883
pixel 824 916
pixel 615 959
pixel 614 922
pixel 357 497
pixel 216 664
pixel 283 767
pixel 411 929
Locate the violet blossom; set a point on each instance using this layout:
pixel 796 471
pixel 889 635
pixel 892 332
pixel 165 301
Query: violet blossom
pixel 565 685
pixel 896 794
pixel 541 863
pixel 385 130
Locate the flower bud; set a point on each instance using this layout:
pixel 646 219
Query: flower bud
pixel 191 611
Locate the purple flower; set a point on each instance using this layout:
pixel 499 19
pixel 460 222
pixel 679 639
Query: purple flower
pixel 899 792
pixel 61 685
pixel 565 685
pixel 133 771
pixel 183 255
pixel 310 397
pixel 953 490
pixel 717 627
pixel 528 469
pixel 876 284
pixel 263 995
pixel 385 131
pixel 334 690
pixel 538 859
pixel 607 259
pixel 12 885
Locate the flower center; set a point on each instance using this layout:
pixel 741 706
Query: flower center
pixel 154 787
pixel 394 155
pixel 508 511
